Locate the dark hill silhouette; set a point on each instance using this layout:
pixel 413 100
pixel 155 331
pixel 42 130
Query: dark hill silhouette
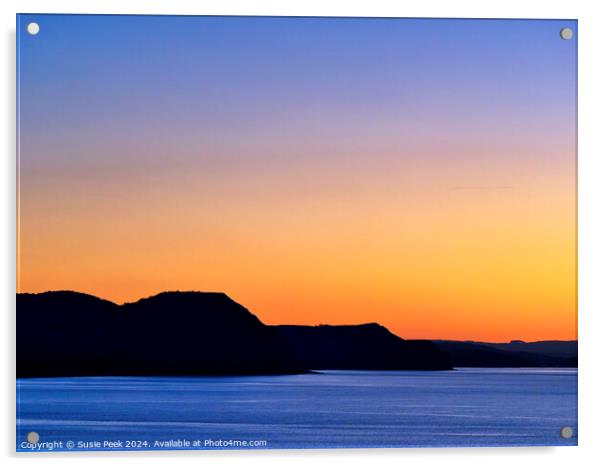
pixel 360 347
pixel 65 333
pixel 180 332
pixel 513 354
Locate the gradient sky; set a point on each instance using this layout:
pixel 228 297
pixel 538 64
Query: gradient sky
pixel 417 173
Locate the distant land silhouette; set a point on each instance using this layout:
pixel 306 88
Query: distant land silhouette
pixel 551 353
pixel 66 333
pixel 360 347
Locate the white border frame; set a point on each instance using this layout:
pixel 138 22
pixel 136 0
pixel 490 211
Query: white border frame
pixel 589 234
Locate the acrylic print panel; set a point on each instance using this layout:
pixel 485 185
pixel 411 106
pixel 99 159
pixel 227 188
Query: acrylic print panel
pixel 263 232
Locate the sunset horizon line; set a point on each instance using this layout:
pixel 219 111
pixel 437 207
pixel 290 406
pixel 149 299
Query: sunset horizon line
pixel 256 314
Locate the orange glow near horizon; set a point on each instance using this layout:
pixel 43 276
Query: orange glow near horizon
pixel 423 258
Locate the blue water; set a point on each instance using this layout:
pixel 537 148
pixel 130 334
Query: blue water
pixel 466 407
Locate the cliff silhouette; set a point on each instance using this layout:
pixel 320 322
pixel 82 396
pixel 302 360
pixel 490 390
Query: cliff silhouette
pixel 65 333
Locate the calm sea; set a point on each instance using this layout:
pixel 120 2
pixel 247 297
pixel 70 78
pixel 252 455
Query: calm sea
pixel 465 407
